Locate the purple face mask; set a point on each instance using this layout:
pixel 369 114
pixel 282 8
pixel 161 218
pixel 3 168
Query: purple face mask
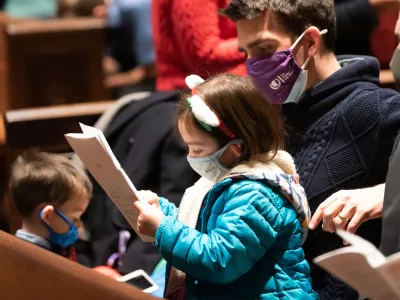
pixel 279 76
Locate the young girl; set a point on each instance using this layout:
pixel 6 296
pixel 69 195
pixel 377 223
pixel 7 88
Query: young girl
pixel 239 230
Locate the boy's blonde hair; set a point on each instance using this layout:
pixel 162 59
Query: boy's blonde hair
pixel 39 177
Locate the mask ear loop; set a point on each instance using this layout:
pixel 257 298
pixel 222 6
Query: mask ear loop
pixel 299 39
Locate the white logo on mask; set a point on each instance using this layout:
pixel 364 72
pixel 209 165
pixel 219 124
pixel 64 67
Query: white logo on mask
pixel 279 80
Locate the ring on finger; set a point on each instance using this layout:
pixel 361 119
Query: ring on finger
pixel 347 220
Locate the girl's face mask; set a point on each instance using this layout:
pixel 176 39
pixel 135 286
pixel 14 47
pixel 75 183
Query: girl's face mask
pixel 62 239
pixel 209 166
pixel 279 76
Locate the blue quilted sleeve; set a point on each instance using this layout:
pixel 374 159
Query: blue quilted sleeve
pixel 244 231
pixel 169 209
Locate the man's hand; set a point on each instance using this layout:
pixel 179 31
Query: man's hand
pixel 348 209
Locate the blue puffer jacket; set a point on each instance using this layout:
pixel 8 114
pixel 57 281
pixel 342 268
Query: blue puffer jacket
pixel 247 245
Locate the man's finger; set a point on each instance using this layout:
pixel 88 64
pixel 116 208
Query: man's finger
pixel 319 213
pixel 355 222
pixel 343 218
pixel 330 213
pixel 339 223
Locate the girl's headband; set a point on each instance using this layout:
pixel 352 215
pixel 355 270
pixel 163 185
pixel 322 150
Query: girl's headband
pixel 203 114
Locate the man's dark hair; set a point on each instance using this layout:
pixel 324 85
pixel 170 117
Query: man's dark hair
pixel 294 15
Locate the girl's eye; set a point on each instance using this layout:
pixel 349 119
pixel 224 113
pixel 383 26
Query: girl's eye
pixel 196 152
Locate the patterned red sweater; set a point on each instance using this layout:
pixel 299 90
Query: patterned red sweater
pixel 190 38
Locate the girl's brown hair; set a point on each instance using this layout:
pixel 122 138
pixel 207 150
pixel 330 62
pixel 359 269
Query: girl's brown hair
pixel 245 111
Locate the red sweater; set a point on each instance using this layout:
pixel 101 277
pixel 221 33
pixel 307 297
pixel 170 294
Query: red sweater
pixel 190 38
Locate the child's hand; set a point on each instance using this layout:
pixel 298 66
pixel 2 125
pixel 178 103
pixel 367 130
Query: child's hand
pixel 149 197
pixel 107 271
pixel 150 218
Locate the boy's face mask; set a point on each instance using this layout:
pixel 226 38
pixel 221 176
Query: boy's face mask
pixel 279 76
pixel 62 239
pixel 209 166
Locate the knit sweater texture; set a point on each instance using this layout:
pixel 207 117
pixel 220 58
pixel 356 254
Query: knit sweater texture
pixel 191 38
pixel 341 135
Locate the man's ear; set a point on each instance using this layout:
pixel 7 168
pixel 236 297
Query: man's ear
pixel 48 214
pixel 313 38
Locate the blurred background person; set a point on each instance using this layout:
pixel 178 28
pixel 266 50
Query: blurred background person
pixel 191 38
pixel 362 25
pixel 130 43
pixel 129 55
pixel 356 21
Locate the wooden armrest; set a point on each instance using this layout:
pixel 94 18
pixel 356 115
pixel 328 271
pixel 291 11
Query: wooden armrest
pixel 30 272
pixel 17 27
pixel 45 127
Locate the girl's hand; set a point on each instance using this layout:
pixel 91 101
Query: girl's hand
pixel 149 197
pixel 150 218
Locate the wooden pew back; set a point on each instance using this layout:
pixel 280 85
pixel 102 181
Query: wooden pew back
pixel 44 127
pixel 49 62
pixel 29 272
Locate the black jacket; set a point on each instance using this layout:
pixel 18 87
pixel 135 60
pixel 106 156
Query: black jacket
pixel 341 135
pixel 144 140
pixel 390 243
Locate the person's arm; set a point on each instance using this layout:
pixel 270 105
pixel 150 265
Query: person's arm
pixel 169 209
pixel 390 242
pixel 197 28
pixel 240 238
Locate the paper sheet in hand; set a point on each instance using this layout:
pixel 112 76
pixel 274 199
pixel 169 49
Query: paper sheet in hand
pixel 364 268
pixel 93 150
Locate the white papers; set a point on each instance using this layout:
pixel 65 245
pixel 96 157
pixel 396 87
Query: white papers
pixel 364 268
pixel 93 150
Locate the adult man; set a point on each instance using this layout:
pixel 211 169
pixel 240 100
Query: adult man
pixel 341 127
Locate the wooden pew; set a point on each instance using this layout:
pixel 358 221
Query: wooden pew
pixel 42 128
pixel 29 272
pixel 45 127
pixel 50 62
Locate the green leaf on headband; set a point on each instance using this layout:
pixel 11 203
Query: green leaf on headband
pixel 204 125
pixel 189 100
